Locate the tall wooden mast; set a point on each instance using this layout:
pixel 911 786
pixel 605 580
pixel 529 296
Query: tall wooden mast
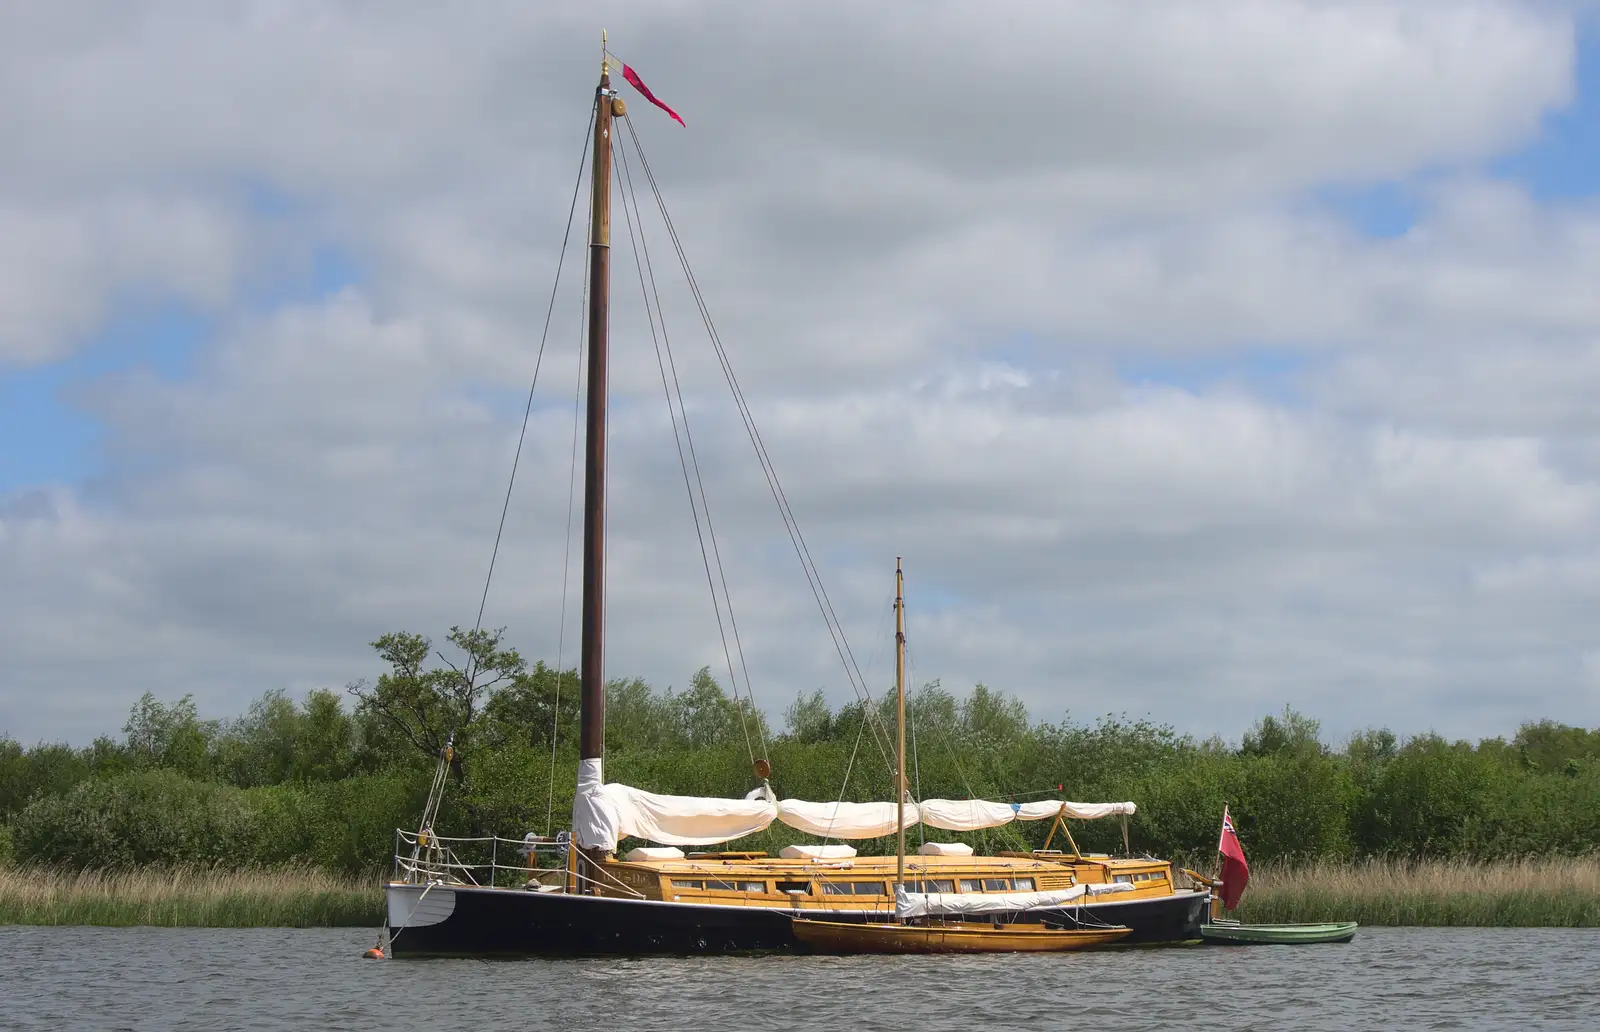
pixel 900 726
pixel 592 683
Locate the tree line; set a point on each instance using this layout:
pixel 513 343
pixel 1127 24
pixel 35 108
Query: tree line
pixel 327 779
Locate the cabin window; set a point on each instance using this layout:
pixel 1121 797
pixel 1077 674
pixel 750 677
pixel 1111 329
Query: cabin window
pixel 860 888
pixel 933 885
pixel 997 884
pixel 801 887
pixel 1122 878
pixel 684 883
pixel 729 885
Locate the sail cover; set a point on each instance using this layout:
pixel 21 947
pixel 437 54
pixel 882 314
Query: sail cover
pixel 974 814
pixel 844 820
pixel 604 814
pixel 952 904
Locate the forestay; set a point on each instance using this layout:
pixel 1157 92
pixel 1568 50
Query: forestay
pixel 604 814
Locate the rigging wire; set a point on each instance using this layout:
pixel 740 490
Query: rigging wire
pixel 566 560
pixel 653 315
pixel 694 462
pixel 916 766
pixel 544 337
pixel 844 782
pixel 774 484
pixel 1006 832
pixel 538 363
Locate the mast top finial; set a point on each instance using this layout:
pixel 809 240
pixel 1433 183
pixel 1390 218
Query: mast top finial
pixel 602 51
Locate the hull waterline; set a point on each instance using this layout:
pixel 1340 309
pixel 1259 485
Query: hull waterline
pixel 849 937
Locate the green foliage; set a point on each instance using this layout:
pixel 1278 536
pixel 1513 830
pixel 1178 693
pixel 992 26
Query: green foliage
pixel 172 736
pixel 1548 747
pixel 809 719
pixel 1273 736
pixel 42 770
pixel 277 741
pixel 311 782
pixel 162 817
pixel 540 703
pixel 702 716
pixel 428 707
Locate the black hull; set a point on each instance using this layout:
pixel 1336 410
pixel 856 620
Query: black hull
pixel 1162 919
pixel 480 922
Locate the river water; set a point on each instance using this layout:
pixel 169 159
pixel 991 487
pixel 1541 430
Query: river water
pixel 108 979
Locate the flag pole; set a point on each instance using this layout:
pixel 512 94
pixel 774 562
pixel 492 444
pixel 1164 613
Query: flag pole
pixel 1216 890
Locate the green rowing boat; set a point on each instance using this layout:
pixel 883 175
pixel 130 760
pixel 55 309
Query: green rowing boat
pixel 1232 933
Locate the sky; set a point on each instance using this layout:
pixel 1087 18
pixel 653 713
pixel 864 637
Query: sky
pixel 1199 360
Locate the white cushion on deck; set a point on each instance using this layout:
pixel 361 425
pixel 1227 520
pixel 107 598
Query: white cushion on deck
pixel 833 851
pixel 654 853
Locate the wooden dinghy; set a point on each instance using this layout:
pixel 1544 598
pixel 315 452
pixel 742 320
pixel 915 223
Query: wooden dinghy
pixel 1232 933
pixel 852 937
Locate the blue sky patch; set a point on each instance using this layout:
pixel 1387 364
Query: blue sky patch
pixel 46 438
pixel 1272 373
pixel 1564 163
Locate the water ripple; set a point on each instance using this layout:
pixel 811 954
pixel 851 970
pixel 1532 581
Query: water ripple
pixel 143 979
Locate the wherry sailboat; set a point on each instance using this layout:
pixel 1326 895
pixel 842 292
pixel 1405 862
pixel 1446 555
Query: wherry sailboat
pixel 576 895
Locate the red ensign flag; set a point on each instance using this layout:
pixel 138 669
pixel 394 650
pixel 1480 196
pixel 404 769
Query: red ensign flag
pixel 1235 872
pixel 638 84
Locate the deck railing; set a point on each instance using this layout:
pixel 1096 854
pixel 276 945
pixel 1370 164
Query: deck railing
pixel 534 862
pixel 422 857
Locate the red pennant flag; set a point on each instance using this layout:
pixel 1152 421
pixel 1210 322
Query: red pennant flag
pixel 1235 872
pixel 638 84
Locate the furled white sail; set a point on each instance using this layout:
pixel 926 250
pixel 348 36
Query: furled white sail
pixel 844 820
pixel 952 904
pixel 603 814
pixel 966 814
pixel 1088 811
pixel 975 814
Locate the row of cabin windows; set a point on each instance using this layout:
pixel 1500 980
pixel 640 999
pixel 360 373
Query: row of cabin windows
pixel 862 888
pixel 722 884
pixel 1139 877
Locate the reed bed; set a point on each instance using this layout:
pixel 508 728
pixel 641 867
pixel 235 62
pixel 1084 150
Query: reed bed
pixel 1559 892
pixel 1562 892
pixel 189 898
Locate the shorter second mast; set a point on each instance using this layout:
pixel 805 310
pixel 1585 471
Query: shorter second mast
pixel 900 727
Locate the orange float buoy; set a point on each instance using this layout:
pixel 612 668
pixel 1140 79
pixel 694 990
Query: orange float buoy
pixel 374 954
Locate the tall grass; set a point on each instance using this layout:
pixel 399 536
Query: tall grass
pixel 1559 892
pixel 189 897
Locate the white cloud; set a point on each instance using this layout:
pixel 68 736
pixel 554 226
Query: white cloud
pixel 928 242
